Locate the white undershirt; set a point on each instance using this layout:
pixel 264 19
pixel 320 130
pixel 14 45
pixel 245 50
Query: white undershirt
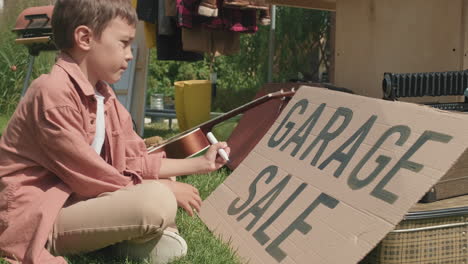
pixel 98 141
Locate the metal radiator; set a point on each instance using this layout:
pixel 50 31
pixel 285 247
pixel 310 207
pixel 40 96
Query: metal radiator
pixel 398 85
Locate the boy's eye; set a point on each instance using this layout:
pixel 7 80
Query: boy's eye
pixel 125 42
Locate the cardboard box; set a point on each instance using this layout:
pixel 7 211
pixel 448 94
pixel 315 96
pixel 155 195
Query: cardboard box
pixel 334 174
pixel 453 184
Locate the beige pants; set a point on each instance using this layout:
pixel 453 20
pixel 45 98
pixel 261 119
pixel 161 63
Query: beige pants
pixel 133 217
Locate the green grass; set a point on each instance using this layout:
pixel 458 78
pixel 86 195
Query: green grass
pixel 3 122
pixel 203 246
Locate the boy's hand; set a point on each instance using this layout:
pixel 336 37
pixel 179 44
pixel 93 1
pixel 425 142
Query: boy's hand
pixel 209 162
pixel 186 195
pixel 213 160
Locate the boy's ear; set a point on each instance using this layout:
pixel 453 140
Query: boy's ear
pixel 83 36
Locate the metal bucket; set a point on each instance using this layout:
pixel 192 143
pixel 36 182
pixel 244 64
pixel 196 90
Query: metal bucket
pixel 157 101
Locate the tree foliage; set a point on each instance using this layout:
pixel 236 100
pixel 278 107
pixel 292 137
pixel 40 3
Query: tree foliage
pixel 302 44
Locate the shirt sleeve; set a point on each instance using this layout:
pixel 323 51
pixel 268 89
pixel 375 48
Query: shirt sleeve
pixel 137 157
pixel 68 155
pixel 152 165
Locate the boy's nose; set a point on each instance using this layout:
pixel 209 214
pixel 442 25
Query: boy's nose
pixel 129 54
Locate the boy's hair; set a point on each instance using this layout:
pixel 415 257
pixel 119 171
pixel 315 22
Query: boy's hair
pixel 96 14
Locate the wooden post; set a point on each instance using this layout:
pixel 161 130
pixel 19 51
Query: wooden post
pixel 331 69
pixel 137 108
pixel 464 38
pixel 271 44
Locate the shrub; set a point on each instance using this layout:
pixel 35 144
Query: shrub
pixel 13 67
pixel 14 58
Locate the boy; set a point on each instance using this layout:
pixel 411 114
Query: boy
pixel 74 176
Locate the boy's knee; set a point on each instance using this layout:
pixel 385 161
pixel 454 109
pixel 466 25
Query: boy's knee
pixel 155 204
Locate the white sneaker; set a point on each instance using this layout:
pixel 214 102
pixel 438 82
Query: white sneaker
pixel 170 247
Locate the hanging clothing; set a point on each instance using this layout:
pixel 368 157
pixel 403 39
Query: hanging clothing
pixel 245 4
pixel 170 47
pixel 170 8
pixel 187 15
pixel 209 8
pixel 165 26
pixel 265 17
pixel 213 41
pixel 161 31
pixel 169 37
pixel 244 21
pixel 147 10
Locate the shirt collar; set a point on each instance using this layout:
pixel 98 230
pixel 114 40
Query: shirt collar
pixel 73 70
pixel 105 90
pixel 71 67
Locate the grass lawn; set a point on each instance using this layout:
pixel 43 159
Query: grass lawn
pixel 3 122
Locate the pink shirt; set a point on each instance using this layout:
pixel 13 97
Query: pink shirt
pixel 45 156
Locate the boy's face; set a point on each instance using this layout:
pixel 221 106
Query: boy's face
pixel 110 54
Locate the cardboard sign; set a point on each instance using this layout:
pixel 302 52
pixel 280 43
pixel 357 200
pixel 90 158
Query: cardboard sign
pixel 333 175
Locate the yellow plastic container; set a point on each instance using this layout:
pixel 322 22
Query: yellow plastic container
pixel 192 102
